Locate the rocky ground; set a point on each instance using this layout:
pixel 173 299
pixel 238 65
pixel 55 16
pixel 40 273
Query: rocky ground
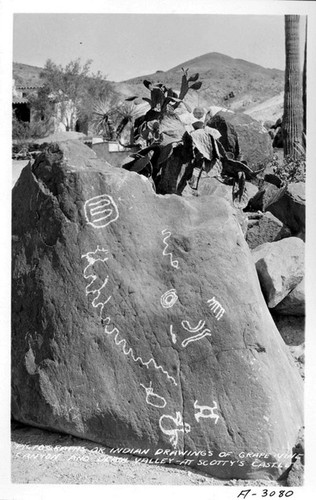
pixel 43 457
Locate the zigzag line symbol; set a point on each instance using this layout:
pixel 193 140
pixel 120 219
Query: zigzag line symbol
pixel 174 263
pixel 99 255
pixel 128 351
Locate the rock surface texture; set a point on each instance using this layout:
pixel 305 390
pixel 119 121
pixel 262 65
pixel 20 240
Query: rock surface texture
pixel 139 323
pixel 254 142
pixel 280 267
pixel 289 207
pixel 294 302
pixel 265 229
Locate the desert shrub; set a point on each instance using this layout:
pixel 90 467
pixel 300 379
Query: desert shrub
pixel 292 169
pixel 20 130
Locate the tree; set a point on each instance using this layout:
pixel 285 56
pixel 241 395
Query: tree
pixel 293 104
pixel 71 89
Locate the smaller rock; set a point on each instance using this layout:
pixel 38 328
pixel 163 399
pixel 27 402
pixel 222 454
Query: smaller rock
pixel 294 302
pixel 291 328
pixel 296 474
pixel 267 194
pixel 254 143
pixel 280 267
pixel 289 207
pixel 265 229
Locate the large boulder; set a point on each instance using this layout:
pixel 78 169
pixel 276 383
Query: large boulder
pixel 280 267
pixel 265 228
pixel 254 142
pixel 289 207
pixel 294 302
pixel 138 322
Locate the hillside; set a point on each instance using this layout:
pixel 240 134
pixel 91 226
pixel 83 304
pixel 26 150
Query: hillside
pixel 220 74
pixel 252 84
pixel 26 75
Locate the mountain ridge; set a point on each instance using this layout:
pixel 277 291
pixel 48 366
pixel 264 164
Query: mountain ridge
pixel 221 75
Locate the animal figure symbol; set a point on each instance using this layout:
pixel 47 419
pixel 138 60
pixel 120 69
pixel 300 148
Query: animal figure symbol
pixel 100 210
pixel 174 263
pixel 205 411
pixel 169 298
pixel 216 308
pixel 204 333
pixel 152 398
pixel 96 284
pixel 177 426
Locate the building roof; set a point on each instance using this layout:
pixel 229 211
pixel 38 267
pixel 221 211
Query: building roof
pixel 19 100
pixel 28 87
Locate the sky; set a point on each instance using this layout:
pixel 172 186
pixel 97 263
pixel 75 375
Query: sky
pixel 123 46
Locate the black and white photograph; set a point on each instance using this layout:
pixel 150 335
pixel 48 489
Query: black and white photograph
pixel 157 249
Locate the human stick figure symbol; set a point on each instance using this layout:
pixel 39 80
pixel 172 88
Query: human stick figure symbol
pixel 100 210
pixel 216 308
pixel 205 411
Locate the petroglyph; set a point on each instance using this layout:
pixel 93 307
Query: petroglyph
pixel 186 325
pixel 169 298
pixel 128 351
pixel 97 284
pixel 173 262
pixel 173 335
pixel 205 411
pixel 175 426
pixel 204 333
pixel 216 308
pixel 101 210
pixel 152 398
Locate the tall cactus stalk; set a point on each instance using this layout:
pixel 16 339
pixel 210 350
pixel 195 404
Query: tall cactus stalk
pixel 293 103
pixel 304 83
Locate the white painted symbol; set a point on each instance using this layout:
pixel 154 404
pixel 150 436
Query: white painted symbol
pixel 169 298
pixel 152 398
pixel 96 285
pixel 204 333
pixel 173 335
pixel 174 263
pixel 176 427
pixel 128 351
pixel 216 308
pixel 205 411
pixel 101 210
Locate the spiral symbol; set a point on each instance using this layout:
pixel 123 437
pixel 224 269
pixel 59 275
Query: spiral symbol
pixel 169 298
